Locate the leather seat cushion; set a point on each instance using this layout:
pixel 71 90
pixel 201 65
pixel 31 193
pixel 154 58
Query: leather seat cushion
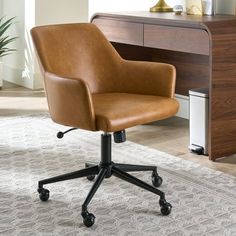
pixel 118 111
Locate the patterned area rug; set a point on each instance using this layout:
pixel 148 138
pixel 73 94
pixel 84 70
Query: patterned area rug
pixel 203 200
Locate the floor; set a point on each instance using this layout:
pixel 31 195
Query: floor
pixel 170 135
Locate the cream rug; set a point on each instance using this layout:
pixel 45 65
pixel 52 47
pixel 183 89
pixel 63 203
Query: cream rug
pixel 203 200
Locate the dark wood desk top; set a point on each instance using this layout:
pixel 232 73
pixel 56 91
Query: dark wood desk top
pixel 193 21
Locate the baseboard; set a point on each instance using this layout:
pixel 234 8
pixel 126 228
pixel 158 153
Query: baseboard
pixel 22 78
pixel 184 106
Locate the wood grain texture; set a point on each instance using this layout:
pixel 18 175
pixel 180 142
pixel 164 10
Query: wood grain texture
pixel 216 69
pixel 123 32
pixel 223 88
pixel 176 38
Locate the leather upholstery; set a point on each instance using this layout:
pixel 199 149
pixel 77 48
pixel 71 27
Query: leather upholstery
pixel 69 101
pixel 89 86
pixel 118 111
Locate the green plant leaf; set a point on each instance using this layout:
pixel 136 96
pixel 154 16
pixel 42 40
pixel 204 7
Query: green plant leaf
pixel 5 40
pixel 5 25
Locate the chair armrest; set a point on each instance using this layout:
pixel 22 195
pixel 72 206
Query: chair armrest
pixel 70 102
pixel 149 78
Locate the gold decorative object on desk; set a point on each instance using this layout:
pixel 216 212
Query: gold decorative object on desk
pixel 194 7
pixel 161 6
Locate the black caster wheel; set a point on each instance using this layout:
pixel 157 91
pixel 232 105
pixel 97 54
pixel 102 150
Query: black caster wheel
pixel 91 177
pixel 156 180
pixel 43 194
pixel 89 218
pixel 60 135
pixel 165 208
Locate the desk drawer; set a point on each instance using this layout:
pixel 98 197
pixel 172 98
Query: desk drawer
pixel 120 31
pixel 176 39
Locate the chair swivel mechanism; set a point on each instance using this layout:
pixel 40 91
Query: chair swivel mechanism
pixel 89 86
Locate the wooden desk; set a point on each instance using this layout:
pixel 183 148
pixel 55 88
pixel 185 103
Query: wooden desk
pixel 203 49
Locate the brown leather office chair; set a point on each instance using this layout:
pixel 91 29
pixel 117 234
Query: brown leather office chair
pixel 89 86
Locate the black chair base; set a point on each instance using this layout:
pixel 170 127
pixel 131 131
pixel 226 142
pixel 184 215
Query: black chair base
pixel 106 169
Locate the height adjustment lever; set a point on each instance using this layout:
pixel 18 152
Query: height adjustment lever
pixel 119 136
pixel 61 134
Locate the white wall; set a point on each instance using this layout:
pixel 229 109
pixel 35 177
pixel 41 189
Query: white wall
pixel 119 5
pixel 60 11
pixel 14 63
pixel 225 6
pixel 0 8
pixel 21 67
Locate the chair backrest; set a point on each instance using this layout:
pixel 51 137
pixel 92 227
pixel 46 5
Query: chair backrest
pixel 78 51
